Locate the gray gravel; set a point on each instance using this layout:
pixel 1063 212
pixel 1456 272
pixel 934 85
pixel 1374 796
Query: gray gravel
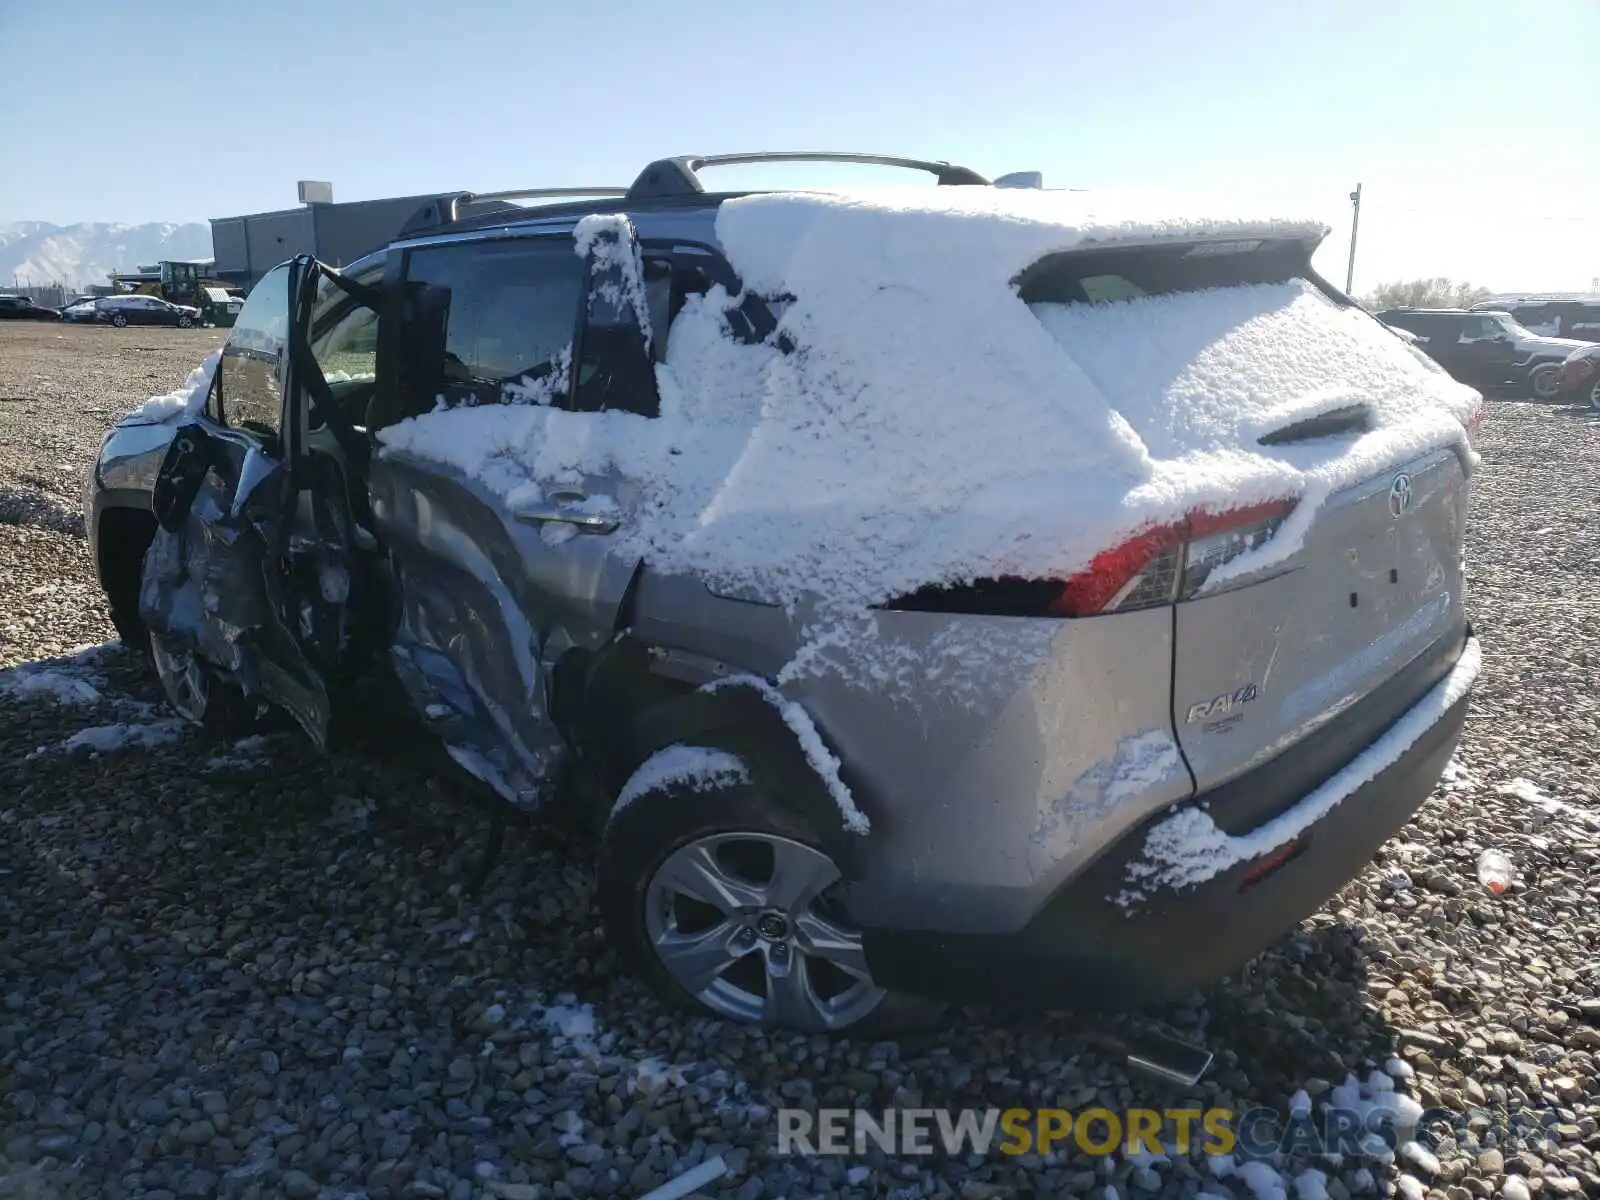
pixel 246 971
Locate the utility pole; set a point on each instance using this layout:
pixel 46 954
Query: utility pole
pixel 1355 224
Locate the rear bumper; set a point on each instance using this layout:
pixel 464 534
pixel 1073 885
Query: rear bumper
pixel 1085 949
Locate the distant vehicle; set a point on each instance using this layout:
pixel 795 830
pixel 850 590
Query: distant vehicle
pixel 1579 380
pixel 1486 349
pixel 20 308
pixel 182 284
pixel 85 298
pixel 83 309
pixel 1566 318
pixel 137 310
pixel 221 307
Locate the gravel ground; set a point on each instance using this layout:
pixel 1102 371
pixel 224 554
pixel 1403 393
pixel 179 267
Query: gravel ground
pixel 243 971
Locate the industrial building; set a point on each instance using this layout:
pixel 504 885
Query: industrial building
pixel 246 248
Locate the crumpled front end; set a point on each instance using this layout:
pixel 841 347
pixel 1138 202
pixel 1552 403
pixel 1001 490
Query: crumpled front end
pixel 198 593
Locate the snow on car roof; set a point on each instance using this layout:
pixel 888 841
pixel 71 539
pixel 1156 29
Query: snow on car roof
pixel 928 428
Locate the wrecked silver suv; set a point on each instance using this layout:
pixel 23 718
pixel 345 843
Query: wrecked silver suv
pixel 963 593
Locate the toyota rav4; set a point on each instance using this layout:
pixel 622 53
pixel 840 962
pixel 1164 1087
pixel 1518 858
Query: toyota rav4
pixel 962 592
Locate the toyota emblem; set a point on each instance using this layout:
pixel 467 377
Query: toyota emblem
pixel 1399 495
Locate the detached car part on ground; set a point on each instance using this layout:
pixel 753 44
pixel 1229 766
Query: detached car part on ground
pixel 458 465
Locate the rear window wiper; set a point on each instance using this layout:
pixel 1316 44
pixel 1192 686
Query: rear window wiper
pixel 1353 418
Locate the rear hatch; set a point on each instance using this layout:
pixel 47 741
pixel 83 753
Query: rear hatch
pixel 1310 619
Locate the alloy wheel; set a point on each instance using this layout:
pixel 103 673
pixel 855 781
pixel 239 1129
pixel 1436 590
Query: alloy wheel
pixel 743 922
pixel 1545 381
pixel 183 678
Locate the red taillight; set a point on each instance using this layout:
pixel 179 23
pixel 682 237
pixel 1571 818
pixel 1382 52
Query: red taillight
pixel 1160 564
pixel 1099 585
pixel 1474 422
pixel 1168 562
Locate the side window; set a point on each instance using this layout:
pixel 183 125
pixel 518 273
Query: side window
pixel 509 309
pixel 248 387
pixel 344 332
pixel 1539 318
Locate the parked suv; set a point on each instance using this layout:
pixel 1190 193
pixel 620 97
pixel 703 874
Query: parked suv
pixel 1486 349
pixel 950 594
pixel 1559 317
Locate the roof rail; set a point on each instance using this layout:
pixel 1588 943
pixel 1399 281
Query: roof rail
pixel 449 208
pixel 680 176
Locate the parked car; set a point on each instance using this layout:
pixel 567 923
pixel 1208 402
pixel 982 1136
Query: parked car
pixel 20 308
pixel 82 310
pixel 1579 381
pixel 773 529
pixel 131 310
pixel 1567 318
pixel 1486 349
pixel 145 310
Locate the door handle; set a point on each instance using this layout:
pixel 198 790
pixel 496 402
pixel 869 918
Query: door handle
pixel 557 513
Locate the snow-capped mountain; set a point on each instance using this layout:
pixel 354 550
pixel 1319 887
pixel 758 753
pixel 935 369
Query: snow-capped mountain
pixel 36 252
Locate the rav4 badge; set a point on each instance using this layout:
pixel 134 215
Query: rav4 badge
pixel 1221 705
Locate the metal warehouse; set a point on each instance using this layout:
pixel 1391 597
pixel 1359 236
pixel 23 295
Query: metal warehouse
pixel 247 247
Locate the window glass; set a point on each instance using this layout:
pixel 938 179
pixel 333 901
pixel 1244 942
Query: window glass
pixel 247 376
pixel 344 332
pixel 1108 276
pixel 510 309
pixel 1540 318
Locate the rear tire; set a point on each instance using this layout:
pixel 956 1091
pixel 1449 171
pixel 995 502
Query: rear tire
pixel 1544 381
pixel 1594 394
pixel 765 941
pixel 119 321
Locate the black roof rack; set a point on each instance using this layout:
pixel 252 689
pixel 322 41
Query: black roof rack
pixel 448 209
pixel 665 179
pixel 680 176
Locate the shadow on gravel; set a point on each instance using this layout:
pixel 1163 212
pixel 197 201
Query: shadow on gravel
pixel 29 505
pixel 297 934
pixel 1585 413
pixel 1300 1010
pixel 244 824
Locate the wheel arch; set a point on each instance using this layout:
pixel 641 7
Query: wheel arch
pixel 122 536
pixel 622 713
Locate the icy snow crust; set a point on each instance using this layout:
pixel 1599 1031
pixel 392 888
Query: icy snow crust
pixel 697 767
pixel 928 429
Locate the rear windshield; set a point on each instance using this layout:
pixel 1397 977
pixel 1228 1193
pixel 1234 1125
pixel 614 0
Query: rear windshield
pixel 1202 352
pixel 1108 276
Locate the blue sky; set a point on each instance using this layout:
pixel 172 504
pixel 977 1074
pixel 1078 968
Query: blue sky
pixel 1471 123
